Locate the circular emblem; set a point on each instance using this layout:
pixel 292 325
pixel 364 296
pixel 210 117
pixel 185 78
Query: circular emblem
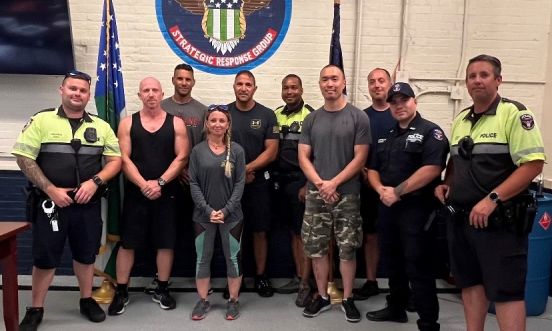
pixel 396 87
pixel 224 36
pixel 527 121
pixel 438 134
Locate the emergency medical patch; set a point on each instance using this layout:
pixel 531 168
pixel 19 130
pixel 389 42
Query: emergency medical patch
pixel 255 124
pixel 438 134
pixel 527 121
pixel 27 124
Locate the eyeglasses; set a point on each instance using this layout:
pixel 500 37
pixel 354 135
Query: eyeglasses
pixel 78 75
pixel 465 147
pixel 222 108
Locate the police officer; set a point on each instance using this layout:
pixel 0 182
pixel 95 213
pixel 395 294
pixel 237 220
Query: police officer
pixel 291 183
pixel 60 151
pixel 404 171
pixel 496 151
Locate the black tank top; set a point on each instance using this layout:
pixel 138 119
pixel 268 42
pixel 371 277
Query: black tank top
pixel 152 152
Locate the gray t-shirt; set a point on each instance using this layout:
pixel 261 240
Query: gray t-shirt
pixel 210 188
pixel 192 113
pixel 332 137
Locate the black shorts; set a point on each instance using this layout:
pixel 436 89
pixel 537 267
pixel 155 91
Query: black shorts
pixel 496 259
pixel 369 204
pixel 82 224
pixel 147 222
pixel 256 206
pixel 289 210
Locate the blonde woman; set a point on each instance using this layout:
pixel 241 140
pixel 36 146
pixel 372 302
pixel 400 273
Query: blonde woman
pixel 217 178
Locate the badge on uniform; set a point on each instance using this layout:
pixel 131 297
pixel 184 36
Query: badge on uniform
pixel 438 134
pixel 255 124
pixel 527 121
pixel 275 129
pixel 27 124
pixel 90 135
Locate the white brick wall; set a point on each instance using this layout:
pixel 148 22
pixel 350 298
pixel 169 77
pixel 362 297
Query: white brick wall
pixel 514 30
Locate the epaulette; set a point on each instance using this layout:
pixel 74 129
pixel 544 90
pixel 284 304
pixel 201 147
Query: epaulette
pixel 95 115
pixel 519 105
pixel 281 107
pixel 309 107
pixel 44 110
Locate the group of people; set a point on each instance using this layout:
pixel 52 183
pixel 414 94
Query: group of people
pixel 366 179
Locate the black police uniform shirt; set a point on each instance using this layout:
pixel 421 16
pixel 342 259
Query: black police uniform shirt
pixel 403 151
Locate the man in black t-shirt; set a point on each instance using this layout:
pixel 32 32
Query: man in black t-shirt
pixel 255 128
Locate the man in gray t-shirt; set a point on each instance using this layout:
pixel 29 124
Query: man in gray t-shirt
pixel 182 104
pixel 332 150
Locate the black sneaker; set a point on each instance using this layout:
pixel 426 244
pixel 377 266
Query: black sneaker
pixel 164 299
pixel 92 310
pixel 263 286
pixel 33 317
pixel 351 312
pixel 316 306
pixel 120 301
pixel 370 288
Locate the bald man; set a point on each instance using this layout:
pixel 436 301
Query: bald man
pixel 154 148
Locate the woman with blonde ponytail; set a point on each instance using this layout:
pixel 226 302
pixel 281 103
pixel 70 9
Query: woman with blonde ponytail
pixel 217 179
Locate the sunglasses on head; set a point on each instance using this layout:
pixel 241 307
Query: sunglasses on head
pixel 222 108
pixel 78 75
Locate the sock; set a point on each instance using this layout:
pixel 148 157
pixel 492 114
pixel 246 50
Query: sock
pixel 163 284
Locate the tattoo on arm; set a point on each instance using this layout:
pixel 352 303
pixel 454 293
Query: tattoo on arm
pixel 399 190
pixel 33 172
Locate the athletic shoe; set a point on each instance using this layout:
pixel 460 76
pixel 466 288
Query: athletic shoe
pixel 120 301
pixel 263 286
pixel 200 310
pixel 303 295
pixel 164 299
pixel 291 287
pixel 232 309
pixel 370 288
pixel 351 312
pixel 92 310
pixel 316 306
pixel 33 317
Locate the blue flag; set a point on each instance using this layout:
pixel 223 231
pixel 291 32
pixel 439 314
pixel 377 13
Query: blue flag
pixel 110 104
pixel 336 56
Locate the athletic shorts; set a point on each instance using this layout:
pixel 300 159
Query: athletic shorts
pixel 289 210
pixel 256 206
pixel 148 223
pixel 319 220
pixel 369 204
pixel 496 259
pixel 82 224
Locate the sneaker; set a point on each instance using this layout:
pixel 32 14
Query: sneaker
pixel 303 295
pixel 316 306
pixel 92 310
pixel 164 299
pixel 370 288
pixel 120 301
pixel 200 310
pixel 263 286
pixel 351 312
pixel 291 287
pixel 232 309
pixel 32 319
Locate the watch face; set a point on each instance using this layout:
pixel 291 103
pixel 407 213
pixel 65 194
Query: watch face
pixel 493 196
pixel 161 182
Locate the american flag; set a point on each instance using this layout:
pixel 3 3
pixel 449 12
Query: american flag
pixel 110 104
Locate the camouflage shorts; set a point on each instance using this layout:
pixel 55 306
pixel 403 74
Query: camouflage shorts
pixel 343 216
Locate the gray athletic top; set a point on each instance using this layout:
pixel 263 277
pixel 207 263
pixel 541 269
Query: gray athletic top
pixel 210 188
pixel 192 113
pixel 332 137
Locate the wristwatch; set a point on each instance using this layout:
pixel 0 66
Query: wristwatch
pixel 494 197
pixel 97 180
pixel 161 182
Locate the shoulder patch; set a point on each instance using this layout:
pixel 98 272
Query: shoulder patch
pixel 527 121
pixel 518 105
pixel 438 134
